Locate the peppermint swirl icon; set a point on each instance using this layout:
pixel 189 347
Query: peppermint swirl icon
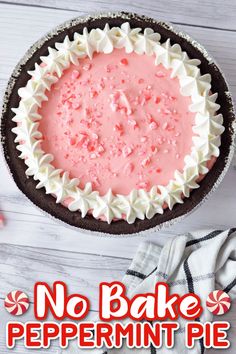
pixel 16 303
pixel 218 302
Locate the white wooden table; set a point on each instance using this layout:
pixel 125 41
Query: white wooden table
pixel 34 247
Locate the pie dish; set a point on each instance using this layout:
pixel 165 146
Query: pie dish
pixel 117 123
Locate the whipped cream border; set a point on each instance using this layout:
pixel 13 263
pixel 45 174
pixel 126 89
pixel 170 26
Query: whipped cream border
pixel 139 203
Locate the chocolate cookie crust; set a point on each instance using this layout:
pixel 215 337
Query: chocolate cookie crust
pixel 47 203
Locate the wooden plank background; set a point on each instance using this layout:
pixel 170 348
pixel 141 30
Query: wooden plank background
pixel 34 247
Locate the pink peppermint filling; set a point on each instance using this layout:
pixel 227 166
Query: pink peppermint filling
pixel 117 121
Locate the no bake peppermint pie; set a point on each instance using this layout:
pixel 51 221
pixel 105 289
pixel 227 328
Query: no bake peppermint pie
pixel 118 125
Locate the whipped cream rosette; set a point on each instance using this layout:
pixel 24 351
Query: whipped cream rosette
pixel 121 124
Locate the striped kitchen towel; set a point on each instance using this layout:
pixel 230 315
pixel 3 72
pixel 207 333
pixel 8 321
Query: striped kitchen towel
pixel 199 263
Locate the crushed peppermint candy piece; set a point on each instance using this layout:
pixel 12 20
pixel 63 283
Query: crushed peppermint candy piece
pixel 75 74
pixel 147 95
pixel 146 162
pixel 153 125
pixel 2 221
pixel 72 141
pixel 160 74
pixel 87 67
pixel 119 128
pixel 142 185
pixel 128 169
pixel 120 102
pixel 167 111
pixel 93 155
pixel 93 93
pixel 143 139
pixel 126 151
pixel 124 61
pixel 157 99
pixel 76 105
pixel 154 149
pixel 165 125
pixel 133 123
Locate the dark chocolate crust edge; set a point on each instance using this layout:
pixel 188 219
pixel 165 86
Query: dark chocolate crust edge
pixel 47 202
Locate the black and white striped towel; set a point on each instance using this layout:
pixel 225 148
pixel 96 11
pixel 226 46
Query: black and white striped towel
pixel 199 263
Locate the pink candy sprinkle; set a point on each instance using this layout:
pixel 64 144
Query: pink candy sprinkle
pixel 124 61
pixel 158 170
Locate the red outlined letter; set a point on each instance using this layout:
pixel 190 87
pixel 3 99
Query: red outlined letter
pixel 74 306
pixel 194 331
pixel 113 304
pixel 15 331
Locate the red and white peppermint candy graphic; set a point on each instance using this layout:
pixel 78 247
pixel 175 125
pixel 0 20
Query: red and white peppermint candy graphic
pixel 16 303
pixel 218 302
pixel 2 221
